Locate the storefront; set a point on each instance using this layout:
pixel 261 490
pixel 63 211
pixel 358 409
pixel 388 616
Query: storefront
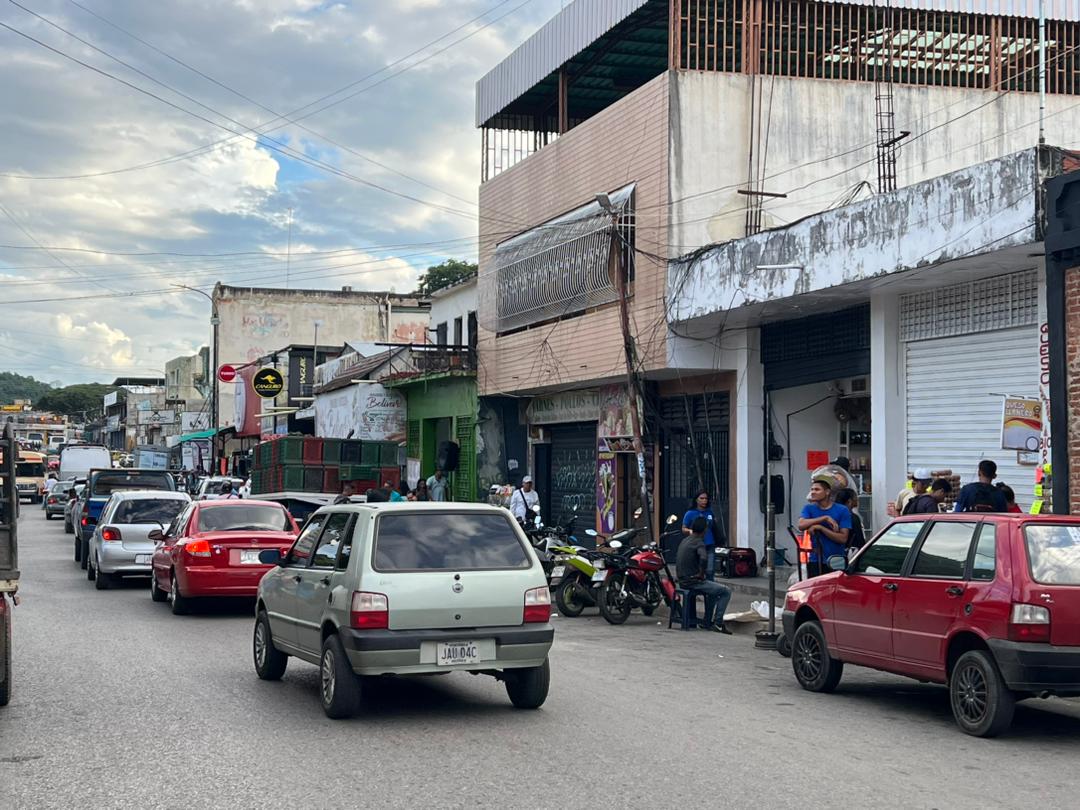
pixel 965 347
pixel 563 436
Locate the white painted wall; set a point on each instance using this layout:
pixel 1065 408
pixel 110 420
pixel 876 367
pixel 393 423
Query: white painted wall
pixel 813 429
pixel 813 120
pixel 457 302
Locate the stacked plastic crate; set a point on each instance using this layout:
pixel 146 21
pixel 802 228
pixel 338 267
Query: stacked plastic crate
pixel 311 464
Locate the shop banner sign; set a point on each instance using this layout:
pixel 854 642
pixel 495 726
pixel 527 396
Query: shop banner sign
pixel 569 406
pixel 371 412
pixel 1021 423
pixel 194 421
pixel 616 419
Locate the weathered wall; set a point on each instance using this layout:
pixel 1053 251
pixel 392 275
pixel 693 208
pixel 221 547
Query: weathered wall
pixel 447 305
pixel 256 322
pixel 810 122
pixel 626 143
pixel 1072 360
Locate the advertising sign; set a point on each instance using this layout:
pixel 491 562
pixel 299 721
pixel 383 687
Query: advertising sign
pixel 614 409
pixel 369 411
pixel 156 417
pixel 1021 423
pixel 194 421
pixel 570 406
pixel 268 382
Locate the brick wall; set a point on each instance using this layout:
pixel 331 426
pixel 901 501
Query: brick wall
pixel 626 143
pixel 1072 360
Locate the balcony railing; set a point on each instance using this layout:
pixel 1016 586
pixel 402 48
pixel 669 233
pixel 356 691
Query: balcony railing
pixel 436 359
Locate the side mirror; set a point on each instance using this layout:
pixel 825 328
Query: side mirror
pixel 157 535
pixel 591 532
pixel 270 556
pixel 837 563
pixel 615 544
pixel 672 519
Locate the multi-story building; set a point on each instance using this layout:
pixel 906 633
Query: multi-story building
pixel 701 123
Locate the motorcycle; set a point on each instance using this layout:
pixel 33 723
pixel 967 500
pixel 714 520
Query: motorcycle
pixel 633 580
pixel 551 543
pixel 576 579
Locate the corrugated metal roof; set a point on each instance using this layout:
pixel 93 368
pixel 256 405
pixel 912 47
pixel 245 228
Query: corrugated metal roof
pixel 567 33
pixel 584 21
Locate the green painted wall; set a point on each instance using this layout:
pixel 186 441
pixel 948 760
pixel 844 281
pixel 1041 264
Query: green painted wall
pixel 453 398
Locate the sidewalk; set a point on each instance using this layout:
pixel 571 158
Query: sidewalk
pixel 758 587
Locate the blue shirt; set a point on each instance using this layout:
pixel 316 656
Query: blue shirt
pixel 965 501
pixel 694 514
pixel 842 516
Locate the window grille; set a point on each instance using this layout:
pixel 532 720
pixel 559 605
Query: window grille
pixel 976 306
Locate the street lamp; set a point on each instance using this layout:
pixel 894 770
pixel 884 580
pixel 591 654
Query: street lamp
pixel 215 321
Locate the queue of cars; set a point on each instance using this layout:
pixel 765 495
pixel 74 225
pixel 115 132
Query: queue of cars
pixel 364 590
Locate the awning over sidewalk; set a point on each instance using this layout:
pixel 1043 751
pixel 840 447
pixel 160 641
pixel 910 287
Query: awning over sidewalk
pixel 202 434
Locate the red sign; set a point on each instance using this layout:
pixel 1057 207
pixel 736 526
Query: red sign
pixel 226 373
pixel 816 458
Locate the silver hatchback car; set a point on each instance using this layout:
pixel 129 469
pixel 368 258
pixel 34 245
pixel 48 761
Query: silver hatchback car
pixel 119 545
pixel 406 589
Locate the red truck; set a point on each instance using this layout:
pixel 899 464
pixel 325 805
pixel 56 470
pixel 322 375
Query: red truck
pixel 9 557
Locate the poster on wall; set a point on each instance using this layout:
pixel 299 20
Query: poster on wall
pixel 606 487
pixel 1021 423
pixel 370 412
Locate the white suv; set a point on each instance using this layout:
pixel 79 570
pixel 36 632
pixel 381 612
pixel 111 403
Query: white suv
pixel 406 589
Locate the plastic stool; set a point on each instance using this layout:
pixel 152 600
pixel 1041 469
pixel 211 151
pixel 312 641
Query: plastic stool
pixel 686 601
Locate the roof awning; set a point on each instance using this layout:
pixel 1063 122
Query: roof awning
pixel 202 434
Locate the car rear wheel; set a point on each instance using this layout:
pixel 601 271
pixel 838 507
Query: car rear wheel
pixel 181 605
pixel 48 515
pixel 102 581
pixel 156 593
pixel 91 572
pixel 68 528
pixel 339 688
pixel 270 662
pixel 528 688
pixel 84 553
pixel 815 669
pixel 982 704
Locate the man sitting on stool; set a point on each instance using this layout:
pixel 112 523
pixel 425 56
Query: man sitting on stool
pixel 690 566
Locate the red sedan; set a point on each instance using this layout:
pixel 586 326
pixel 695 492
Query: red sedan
pixel 212 549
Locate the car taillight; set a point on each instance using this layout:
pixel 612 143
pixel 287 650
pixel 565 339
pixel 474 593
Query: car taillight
pixel 198 548
pixel 1029 623
pixel 110 535
pixel 537 605
pixel 369 611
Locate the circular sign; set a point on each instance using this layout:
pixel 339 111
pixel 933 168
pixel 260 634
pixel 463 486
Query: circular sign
pixel 268 382
pixel 226 373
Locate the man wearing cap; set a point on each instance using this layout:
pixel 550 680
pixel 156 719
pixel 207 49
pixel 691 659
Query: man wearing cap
pixel 524 499
pixel 920 483
pixel 828 522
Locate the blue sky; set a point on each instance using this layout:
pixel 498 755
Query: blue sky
pixel 219 193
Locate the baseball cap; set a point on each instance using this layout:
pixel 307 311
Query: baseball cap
pixel 922 474
pixel 527 479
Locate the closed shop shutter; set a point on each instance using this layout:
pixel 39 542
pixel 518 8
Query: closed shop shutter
pixel 953 417
pixel 573 470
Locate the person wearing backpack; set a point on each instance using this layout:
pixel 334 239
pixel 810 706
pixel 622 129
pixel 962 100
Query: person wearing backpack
pixel 982 495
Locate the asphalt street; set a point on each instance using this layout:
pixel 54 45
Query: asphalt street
pixel 120 704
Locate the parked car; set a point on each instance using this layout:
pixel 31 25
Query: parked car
pixel 103 483
pixel 407 589
pixel 212 549
pixel 986 603
pixel 120 545
pixel 71 510
pixel 56 502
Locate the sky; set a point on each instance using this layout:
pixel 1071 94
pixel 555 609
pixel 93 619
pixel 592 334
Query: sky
pixel 367 192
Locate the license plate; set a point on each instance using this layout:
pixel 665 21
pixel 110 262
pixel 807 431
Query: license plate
pixel 449 653
pixel 598 576
pixel 142 559
pixel 250 557
pixel 558 571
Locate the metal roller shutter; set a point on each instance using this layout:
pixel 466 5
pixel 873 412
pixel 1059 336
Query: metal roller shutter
pixel 953 421
pixel 573 470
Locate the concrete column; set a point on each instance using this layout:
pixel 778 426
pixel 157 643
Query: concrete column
pixel 887 404
pixel 748 435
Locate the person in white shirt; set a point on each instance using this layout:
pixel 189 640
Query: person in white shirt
pixel 524 499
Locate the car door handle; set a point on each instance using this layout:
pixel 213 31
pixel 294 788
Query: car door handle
pixel 324 581
pixel 891 586
pixel 954 590
pixel 298 578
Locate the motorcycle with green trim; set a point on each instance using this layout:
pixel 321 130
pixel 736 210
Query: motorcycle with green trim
pixel 579 573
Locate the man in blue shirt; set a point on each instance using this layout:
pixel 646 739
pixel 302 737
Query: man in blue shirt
pixel 828 522
pixel 712 528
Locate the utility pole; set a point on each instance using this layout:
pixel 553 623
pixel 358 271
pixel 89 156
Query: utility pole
pixel 632 384
pixel 215 321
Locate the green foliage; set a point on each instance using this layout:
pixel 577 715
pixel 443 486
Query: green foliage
pixel 441 276
pixel 74 399
pixel 15 386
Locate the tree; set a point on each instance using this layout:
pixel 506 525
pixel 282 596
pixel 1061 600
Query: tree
pixel 75 399
pixel 16 386
pixel 440 276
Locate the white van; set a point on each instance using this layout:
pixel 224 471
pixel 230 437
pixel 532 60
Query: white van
pixel 76 460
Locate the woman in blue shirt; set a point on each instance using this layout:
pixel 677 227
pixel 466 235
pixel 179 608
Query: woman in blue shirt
pixel 702 510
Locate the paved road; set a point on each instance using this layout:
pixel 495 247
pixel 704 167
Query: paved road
pixel 120 704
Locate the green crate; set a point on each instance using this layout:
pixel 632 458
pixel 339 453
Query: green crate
pixel 388 454
pixel 331 451
pixel 290 449
pixel 358 472
pixel 370 453
pixel 292 478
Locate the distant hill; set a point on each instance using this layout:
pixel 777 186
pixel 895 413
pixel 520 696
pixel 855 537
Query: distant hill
pixel 82 400
pixel 15 386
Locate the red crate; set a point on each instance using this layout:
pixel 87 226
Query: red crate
pixel 313 451
pixel 331 482
pixel 391 476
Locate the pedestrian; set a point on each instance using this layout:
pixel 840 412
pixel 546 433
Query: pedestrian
pixel 377 495
pixel 1010 497
pixel 523 500
pixel 930 502
pixel 395 492
pixel 50 482
pixel 227 491
pixel 849 498
pixel 920 483
pixel 437 486
pixel 347 491
pixel 691 570
pixel 421 492
pixel 702 509
pixel 402 491
pixel 982 495
pixel 829 523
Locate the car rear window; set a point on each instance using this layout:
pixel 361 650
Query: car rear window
pixel 253 517
pixel 1054 553
pixel 106 483
pixel 147 510
pixel 29 469
pixel 441 541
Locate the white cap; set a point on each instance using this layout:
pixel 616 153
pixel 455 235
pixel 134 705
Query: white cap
pixel 922 474
pixel 527 479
